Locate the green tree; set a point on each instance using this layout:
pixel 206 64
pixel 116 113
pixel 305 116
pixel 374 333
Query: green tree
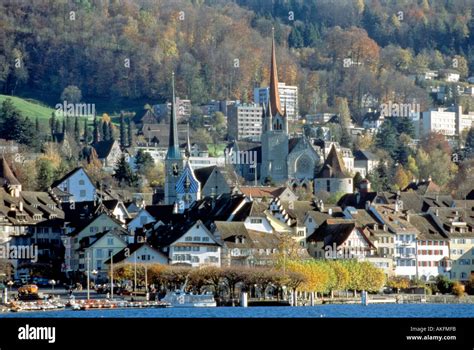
pixel 71 94
pixel 144 162
pixel 124 174
pixel 386 138
pixel 86 132
pixel 357 180
pixel 45 174
pixel 470 139
pixel 77 131
pixel 344 120
pixel 123 132
pixel 14 126
pixel 95 132
pixel 130 132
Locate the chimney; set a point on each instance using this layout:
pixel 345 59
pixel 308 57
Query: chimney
pixel 437 212
pixel 367 205
pixel 408 218
pixel 321 205
pixel 21 206
pixel 330 211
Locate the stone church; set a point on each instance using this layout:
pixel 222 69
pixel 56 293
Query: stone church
pixel 285 159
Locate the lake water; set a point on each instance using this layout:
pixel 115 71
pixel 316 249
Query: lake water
pixel 320 311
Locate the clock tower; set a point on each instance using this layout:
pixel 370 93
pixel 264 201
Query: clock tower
pixel 173 160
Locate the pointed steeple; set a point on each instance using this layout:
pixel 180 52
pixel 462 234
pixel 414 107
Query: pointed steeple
pixel 188 145
pixel 173 145
pixel 269 116
pixel 274 94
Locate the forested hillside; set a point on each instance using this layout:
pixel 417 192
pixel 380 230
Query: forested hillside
pixel 115 49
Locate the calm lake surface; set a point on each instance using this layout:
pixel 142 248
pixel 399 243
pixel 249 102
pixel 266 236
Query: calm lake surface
pixel 370 311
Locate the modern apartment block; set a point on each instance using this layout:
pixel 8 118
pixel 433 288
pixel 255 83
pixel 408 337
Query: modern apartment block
pixel 288 98
pixel 245 122
pixel 449 121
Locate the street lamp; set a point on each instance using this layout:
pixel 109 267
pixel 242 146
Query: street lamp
pixel 10 284
pixel 52 283
pixel 95 273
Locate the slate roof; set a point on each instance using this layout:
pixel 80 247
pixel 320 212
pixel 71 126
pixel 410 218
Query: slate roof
pixel 356 200
pixel 332 231
pixel 103 148
pixel 365 155
pixel 423 187
pixel 229 231
pixel 428 230
pixel 261 191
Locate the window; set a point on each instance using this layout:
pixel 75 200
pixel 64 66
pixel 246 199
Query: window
pixel 188 239
pixel 82 193
pixel 98 253
pixel 81 182
pixel 205 239
pixel 197 239
pixel 212 249
pixel 196 249
pixel 255 221
pixel 110 241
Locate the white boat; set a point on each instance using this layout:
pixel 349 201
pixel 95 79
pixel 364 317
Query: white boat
pixel 182 299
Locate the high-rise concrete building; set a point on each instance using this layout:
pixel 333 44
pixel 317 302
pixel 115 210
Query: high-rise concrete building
pixel 450 122
pixel 288 98
pixel 183 110
pixel 244 122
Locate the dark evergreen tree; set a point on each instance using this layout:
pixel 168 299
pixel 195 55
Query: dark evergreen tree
pixel 130 132
pixel 86 132
pixel 95 132
pixel 124 174
pixel 37 126
pixel 470 139
pixel 123 132
pixel 52 124
pixel 13 126
pixel 77 131
pixel 387 139
pixel 106 131
pixel 57 128
pixel 144 162
pixel 357 180
pixel 295 39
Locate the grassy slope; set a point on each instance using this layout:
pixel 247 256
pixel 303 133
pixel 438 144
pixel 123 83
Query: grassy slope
pixel 30 108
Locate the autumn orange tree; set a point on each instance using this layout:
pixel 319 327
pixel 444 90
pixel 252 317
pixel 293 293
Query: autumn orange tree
pixel 398 283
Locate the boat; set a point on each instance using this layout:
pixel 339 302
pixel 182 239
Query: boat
pixel 179 298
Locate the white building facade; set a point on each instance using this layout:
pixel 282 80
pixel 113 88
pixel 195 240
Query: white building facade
pixel 288 98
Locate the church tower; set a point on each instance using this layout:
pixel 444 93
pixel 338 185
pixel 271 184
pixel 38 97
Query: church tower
pixel 173 160
pixel 275 131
